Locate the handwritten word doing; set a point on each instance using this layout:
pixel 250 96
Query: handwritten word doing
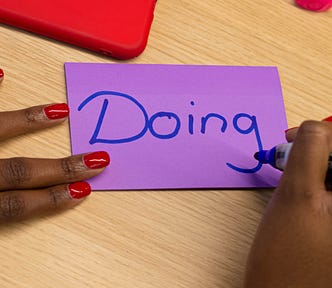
pixel 149 124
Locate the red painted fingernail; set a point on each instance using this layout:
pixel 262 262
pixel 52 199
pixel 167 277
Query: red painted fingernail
pixel 2 74
pixel 290 129
pixel 315 5
pixel 56 111
pixel 95 160
pixel 79 190
pixel 328 119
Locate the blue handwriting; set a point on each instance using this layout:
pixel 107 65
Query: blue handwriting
pixel 149 124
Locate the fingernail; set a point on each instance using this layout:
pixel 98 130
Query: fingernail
pixel 328 119
pixel 2 74
pixel 56 111
pixel 95 160
pixel 287 130
pixel 79 190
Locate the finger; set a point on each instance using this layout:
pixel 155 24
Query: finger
pixel 291 133
pixel 2 74
pixel 21 204
pixel 308 161
pixel 18 122
pixel 28 173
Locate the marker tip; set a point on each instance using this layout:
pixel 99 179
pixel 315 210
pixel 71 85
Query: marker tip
pixel 256 155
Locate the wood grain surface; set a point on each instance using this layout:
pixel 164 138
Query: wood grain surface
pixel 158 239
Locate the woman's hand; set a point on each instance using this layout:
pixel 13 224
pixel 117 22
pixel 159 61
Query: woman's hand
pixel 32 187
pixel 293 244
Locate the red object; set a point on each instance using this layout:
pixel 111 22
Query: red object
pixel 315 5
pixel 56 111
pixel 96 160
pixel 328 119
pixel 290 129
pixel 79 190
pixel 117 28
pixel 1 75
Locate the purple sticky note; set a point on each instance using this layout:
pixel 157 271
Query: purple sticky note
pixel 176 126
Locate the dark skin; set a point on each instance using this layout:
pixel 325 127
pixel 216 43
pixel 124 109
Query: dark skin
pixel 34 187
pixel 292 247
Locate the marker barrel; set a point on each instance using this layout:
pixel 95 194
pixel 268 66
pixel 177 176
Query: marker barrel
pixel 278 156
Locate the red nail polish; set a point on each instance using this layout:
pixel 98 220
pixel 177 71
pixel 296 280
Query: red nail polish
pixel 2 74
pixel 79 190
pixel 290 129
pixel 95 160
pixel 328 119
pixel 56 111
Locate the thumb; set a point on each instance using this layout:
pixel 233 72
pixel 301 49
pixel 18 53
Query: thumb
pixel 306 168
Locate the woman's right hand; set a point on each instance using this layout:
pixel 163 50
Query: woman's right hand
pixel 292 247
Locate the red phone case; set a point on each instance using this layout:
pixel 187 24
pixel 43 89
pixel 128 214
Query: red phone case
pixel 117 28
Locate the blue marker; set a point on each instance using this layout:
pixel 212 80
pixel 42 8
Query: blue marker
pixel 278 156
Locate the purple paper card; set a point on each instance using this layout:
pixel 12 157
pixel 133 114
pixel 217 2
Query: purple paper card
pixel 176 126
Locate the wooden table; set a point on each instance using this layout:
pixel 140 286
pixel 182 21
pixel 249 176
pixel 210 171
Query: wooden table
pixel 155 239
